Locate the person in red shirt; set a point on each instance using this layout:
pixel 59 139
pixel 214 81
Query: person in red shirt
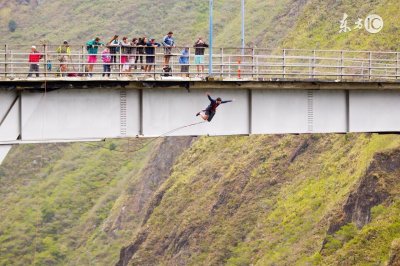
pixel 34 58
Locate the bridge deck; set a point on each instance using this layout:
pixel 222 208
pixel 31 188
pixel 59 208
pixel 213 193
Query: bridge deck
pixel 226 64
pixel 40 84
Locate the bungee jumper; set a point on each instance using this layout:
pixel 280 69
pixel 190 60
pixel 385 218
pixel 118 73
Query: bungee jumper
pixel 210 111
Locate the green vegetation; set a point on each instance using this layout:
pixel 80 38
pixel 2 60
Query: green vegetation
pixel 12 25
pixel 55 201
pixel 267 21
pixel 246 204
pixel 318 26
pixel 228 200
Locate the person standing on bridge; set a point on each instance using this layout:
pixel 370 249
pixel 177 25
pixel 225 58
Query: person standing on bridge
pixel 210 111
pixel 184 62
pixel 199 46
pixel 92 47
pixel 106 58
pixel 114 46
pixel 64 55
pixel 34 58
pixel 168 43
pixel 125 52
pixel 150 54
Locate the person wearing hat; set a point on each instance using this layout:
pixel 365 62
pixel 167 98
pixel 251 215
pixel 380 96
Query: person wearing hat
pixel 64 54
pixel 168 43
pixel 34 58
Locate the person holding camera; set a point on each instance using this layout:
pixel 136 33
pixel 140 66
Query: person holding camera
pixel 199 46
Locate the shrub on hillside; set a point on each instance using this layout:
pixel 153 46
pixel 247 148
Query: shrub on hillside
pixel 12 25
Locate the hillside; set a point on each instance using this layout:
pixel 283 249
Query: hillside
pixel 267 21
pixel 77 204
pixel 318 26
pixel 257 200
pixel 274 201
pixel 265 200
pixel 311 24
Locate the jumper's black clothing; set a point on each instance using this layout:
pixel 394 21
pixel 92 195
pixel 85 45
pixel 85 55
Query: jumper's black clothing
pixel 212 108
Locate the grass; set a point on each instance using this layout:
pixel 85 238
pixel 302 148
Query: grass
pixel 247 205
pixel 60 207
pixel 228 200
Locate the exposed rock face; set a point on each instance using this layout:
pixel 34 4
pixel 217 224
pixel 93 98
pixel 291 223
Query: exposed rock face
pixel 156 172
pixel 373 189
pixel 127 252
pixel 395 253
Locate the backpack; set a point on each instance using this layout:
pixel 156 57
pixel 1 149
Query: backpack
pixel 88 46
pixel 167 71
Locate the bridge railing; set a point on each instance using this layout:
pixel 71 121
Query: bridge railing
pixel 228 63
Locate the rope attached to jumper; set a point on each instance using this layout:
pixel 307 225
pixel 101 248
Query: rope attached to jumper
pixel 152 140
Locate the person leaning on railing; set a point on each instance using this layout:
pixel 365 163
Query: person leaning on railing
pixel 92 47
pixel 140 52
pixel 132 57
pixel 150 54
pixel 34 58
pixel 64 54
pixel 184 62
pixel 168 43
pixel 114 45
pixel 125 51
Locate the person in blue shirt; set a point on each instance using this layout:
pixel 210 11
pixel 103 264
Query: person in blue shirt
pixel 184 62
pixel 210 111
pixel 168 43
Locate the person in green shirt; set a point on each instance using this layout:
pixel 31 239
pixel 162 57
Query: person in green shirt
pixel 92 47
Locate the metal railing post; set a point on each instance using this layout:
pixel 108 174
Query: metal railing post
pixel 82 59
pixel 313 64
pixel 253 62
pixel 119 62
pixel 397 65
pixel 154 63
pixel 369 65
pixel 386 70
pixel 5 60
pixel 229 66
pixel 11 62
pixel 341 65
pixel 79 61
pixel 222 63
pixel 284 63
pixel 258 68
pixel 45 59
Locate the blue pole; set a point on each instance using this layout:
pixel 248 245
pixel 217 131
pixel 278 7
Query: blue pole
pixel 210 59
